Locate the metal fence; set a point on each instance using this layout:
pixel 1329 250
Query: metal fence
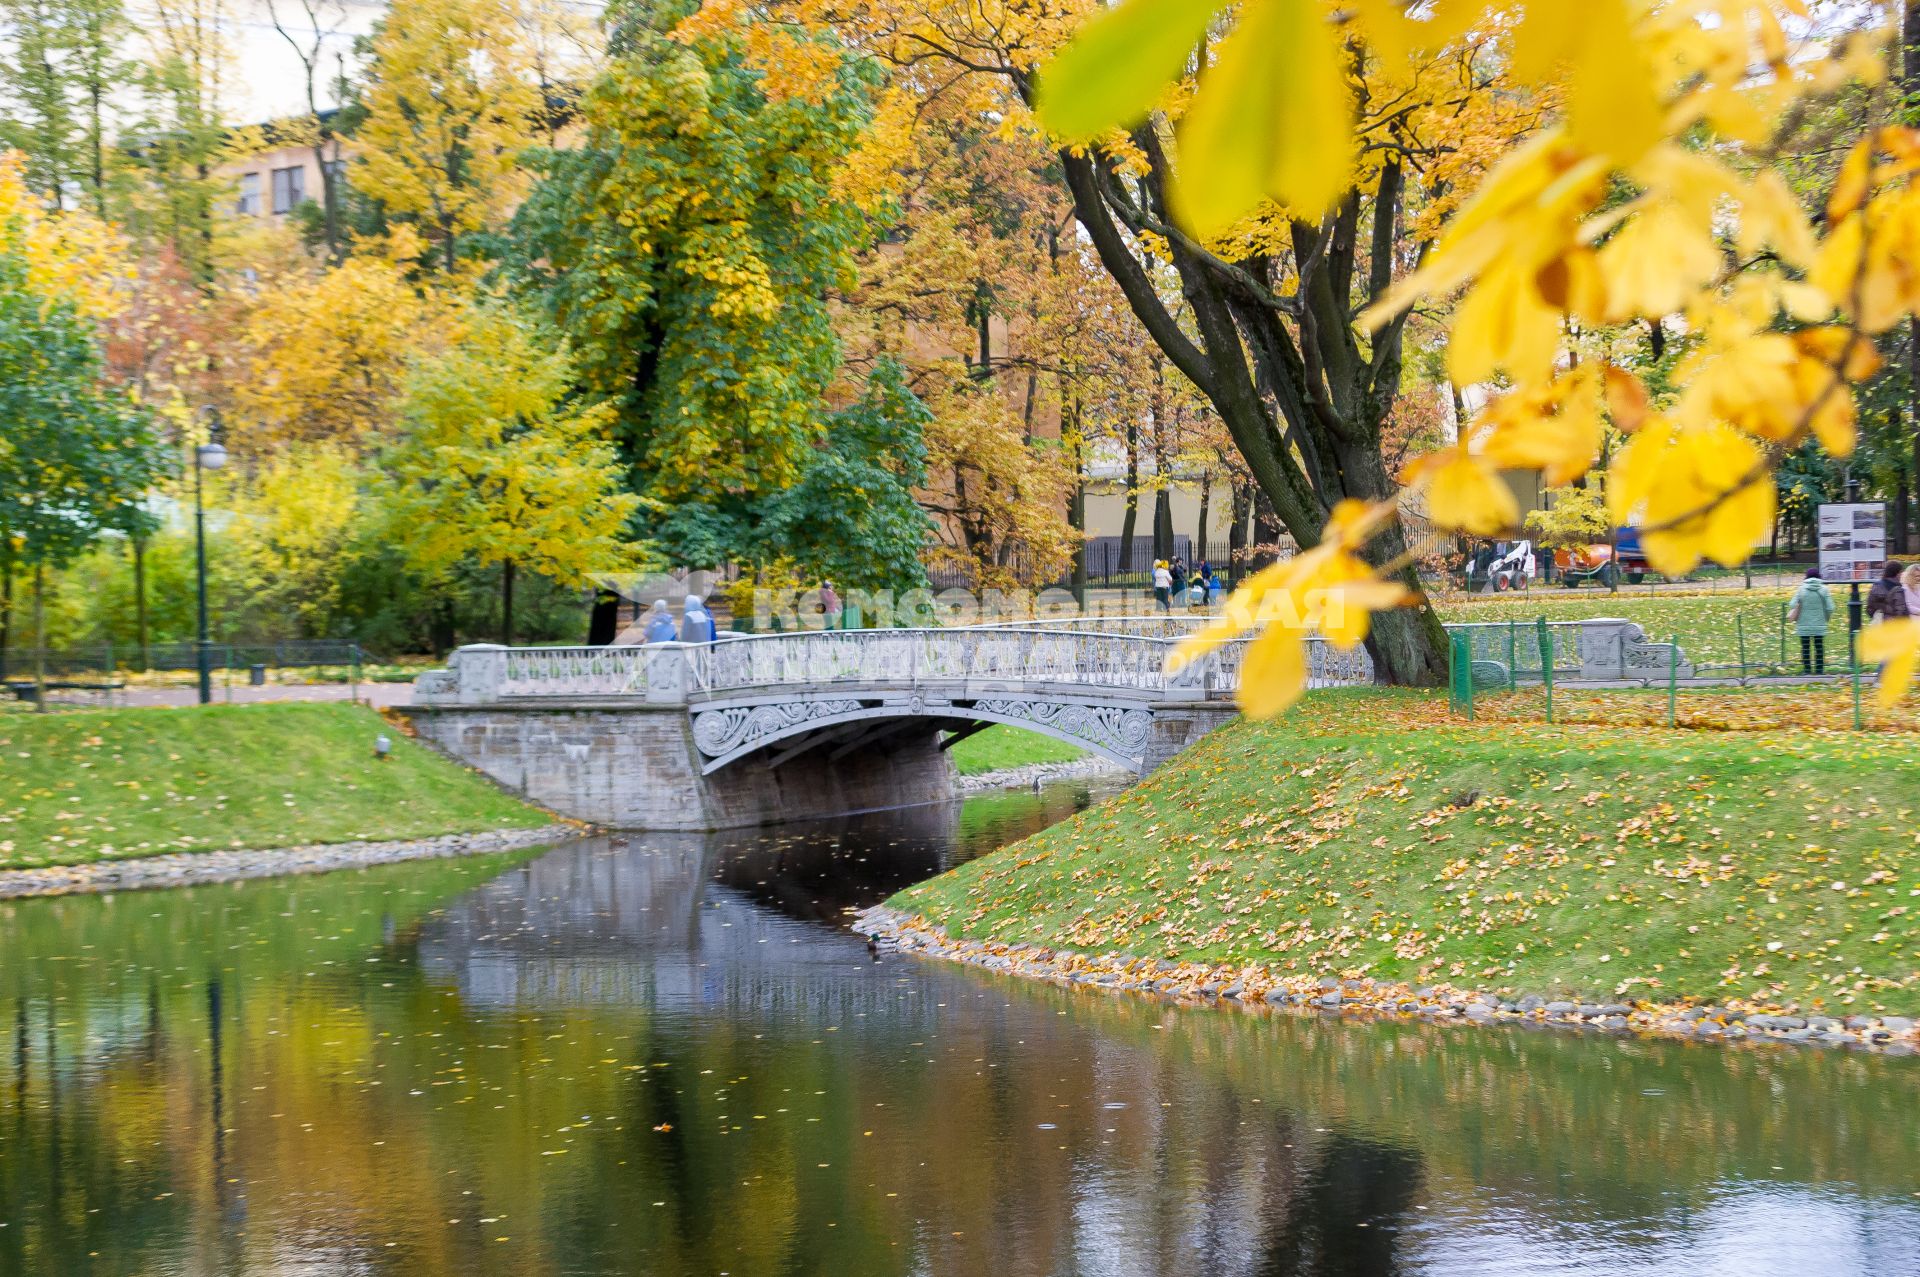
pixel 103 661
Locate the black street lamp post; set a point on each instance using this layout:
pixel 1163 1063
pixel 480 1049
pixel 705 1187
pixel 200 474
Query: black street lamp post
pixel 207 456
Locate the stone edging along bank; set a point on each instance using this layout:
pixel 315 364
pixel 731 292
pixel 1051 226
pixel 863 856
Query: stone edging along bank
pixel 1041 774
pixel 184 869
pixel 1261 988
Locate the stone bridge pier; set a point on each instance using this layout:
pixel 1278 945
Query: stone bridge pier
pixel 753 730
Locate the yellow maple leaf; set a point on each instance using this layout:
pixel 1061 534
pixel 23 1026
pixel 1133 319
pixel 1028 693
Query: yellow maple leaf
pixel 1465 491
pixel 1897 643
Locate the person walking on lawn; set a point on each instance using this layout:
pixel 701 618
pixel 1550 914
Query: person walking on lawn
pixel 1810 611
pixel 1887 601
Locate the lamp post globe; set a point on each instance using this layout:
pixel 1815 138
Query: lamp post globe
pixel 208 456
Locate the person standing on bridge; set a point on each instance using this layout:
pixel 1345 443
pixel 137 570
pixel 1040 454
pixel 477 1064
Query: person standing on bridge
pixel 1162 586
pixel 696 623
pixel 830 606
pixel 659 625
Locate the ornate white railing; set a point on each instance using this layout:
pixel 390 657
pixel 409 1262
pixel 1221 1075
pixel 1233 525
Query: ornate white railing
pixel 900 660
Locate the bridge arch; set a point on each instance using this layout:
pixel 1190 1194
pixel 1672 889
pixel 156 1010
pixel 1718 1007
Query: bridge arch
pixel 726 734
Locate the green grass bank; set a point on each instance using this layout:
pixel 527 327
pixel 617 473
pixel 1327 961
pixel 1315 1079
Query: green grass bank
pixel 108 784
pixel 1002 748
pixel 1368 833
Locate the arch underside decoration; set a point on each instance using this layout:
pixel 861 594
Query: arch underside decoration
pixel 726 734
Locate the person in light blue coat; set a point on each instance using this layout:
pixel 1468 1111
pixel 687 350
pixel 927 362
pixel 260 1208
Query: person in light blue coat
pixel 659 626
pixel 696 623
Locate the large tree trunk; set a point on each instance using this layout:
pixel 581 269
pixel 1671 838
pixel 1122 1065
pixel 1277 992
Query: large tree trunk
pixel 1130 511
pixel 1200 524
pixel 1302 398
pixel 506 603
pixel 1237 534
pixel 1163 522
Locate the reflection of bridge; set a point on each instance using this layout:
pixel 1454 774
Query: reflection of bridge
pixel 782 725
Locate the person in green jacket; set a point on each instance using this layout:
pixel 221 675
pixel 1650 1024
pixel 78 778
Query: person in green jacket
pixel 1810 611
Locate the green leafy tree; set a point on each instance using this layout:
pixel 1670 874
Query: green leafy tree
pixel 499 468
pixel 852 516
pixel 687 248
pixel 75 455
pixel 180 135
pixel 62 67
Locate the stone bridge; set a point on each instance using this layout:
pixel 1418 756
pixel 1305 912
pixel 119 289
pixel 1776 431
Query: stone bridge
pixel 749 730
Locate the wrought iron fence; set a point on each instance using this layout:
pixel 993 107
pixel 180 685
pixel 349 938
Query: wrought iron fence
pixel 105 660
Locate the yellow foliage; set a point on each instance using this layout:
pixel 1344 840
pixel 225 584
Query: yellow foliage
pixel 1629 207
pixel 450 107
pixel 323 355
pixel 497 467
pixel 294 518
pixel 69 255
pixel 1897 643
pixel 1328 589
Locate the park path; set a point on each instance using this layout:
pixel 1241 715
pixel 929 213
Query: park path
pixel 380 695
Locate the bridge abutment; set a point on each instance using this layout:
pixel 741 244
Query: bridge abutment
pixel 1175 727
pixel 637 767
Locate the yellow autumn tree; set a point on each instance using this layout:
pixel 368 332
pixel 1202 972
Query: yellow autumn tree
pixel 291 536
pixel 499 468
pixel 69 255
pixel 323 355
pixel 1652 195
pixel 451 102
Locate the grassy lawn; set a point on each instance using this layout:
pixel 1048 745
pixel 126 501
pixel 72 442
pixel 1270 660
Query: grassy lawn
pixel 1705 623
pixel 102 784
pixel 1368 832
pixel 1000 747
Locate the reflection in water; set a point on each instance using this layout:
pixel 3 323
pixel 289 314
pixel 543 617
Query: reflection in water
pixel 665 1055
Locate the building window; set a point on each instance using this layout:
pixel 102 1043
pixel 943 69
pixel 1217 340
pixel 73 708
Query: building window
pixel 289 188
pixel 249 203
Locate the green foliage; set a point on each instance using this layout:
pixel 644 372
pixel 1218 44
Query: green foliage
pixel 686 248
pixel 178 137
pixel 62 68
pixel 852 516
pixel 75 455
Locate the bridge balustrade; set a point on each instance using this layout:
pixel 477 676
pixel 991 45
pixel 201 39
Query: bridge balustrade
pixel 1124 655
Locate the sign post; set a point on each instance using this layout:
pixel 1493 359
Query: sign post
pixel 1853 548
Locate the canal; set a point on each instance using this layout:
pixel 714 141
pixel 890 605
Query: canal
pixel 668 1055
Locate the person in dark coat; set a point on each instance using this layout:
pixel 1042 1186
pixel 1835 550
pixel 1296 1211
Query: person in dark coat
pixel 1887 601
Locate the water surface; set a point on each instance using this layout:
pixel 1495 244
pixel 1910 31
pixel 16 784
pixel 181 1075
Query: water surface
pixel 666 1055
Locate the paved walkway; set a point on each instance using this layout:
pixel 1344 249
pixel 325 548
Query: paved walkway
pixel 381 695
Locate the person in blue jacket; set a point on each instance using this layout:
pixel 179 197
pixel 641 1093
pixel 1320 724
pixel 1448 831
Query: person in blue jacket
pixel 659 627
pixel 696 623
